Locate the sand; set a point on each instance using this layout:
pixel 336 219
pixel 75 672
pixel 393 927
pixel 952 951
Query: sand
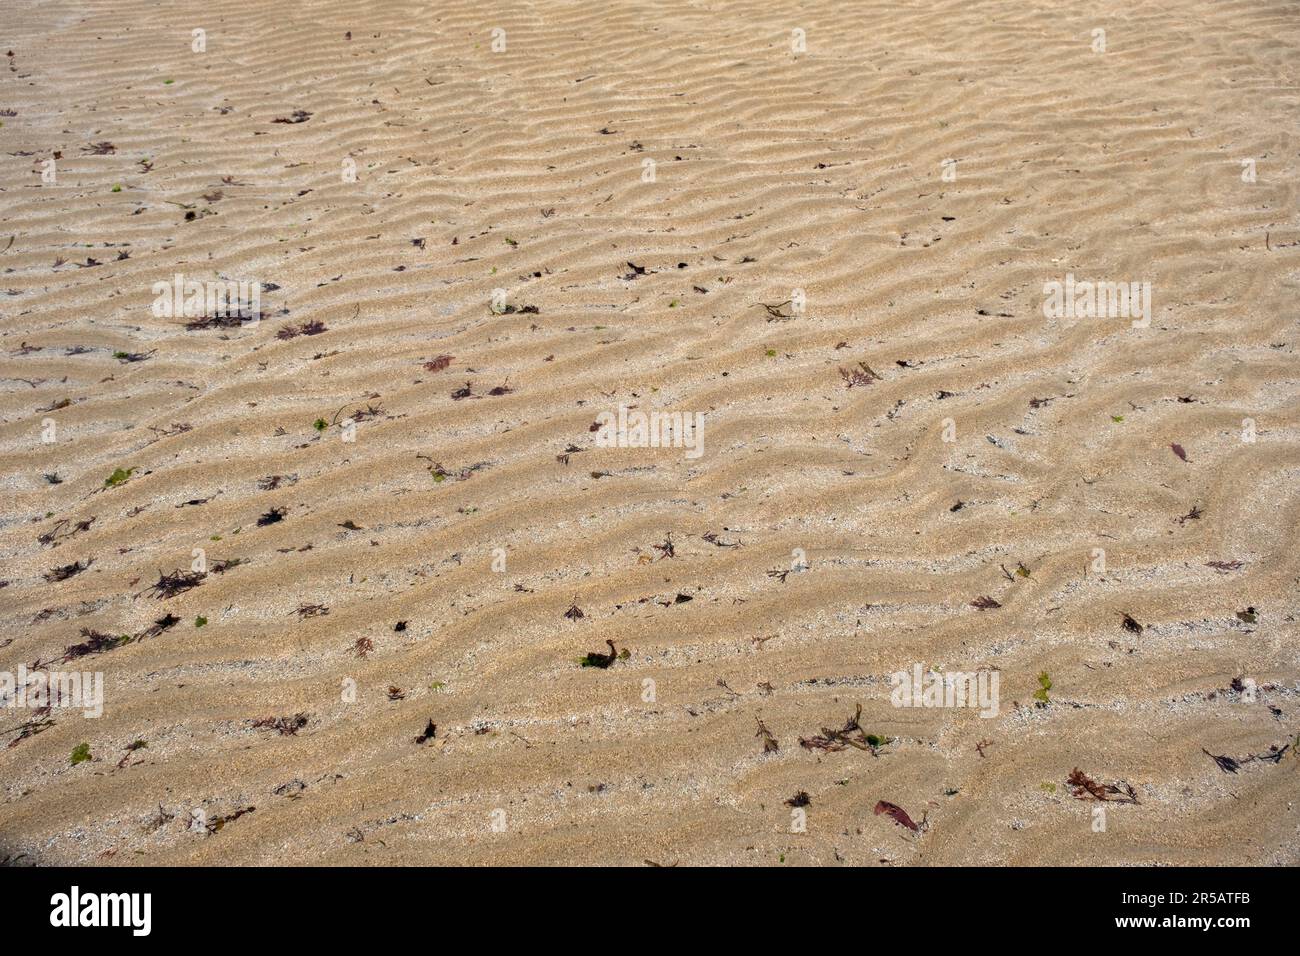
pixel 899 190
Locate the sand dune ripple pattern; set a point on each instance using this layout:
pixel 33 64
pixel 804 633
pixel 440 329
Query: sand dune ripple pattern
pixel 394 565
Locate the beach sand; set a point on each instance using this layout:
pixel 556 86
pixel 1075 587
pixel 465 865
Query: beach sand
pixel 903 433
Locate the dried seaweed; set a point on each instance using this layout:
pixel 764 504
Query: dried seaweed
pixel 285 726
pixel 666 550
pixel 96 642
pixel 1274 755
pixel 164 623
pixel 851 735
pixel 897 814
pixel 769 742
pixel 126 358
pixel 178 582
pixel 1225 566
pixel 176 428
pixel 440 473
pixel 864 374
pixel 63 572
pixel 216 823
pixel 1226 764
pixel 314 327
pixel 1084 786
pixel 130 749
pixel 159 820
pixel 230 320
pixel 602 660
pixel 774 312
pixel 272 517
pixel 30 728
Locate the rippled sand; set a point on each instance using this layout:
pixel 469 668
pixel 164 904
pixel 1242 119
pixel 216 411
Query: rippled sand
pixel 774 172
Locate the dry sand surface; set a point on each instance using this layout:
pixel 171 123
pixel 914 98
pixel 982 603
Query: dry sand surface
pixel 903 434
